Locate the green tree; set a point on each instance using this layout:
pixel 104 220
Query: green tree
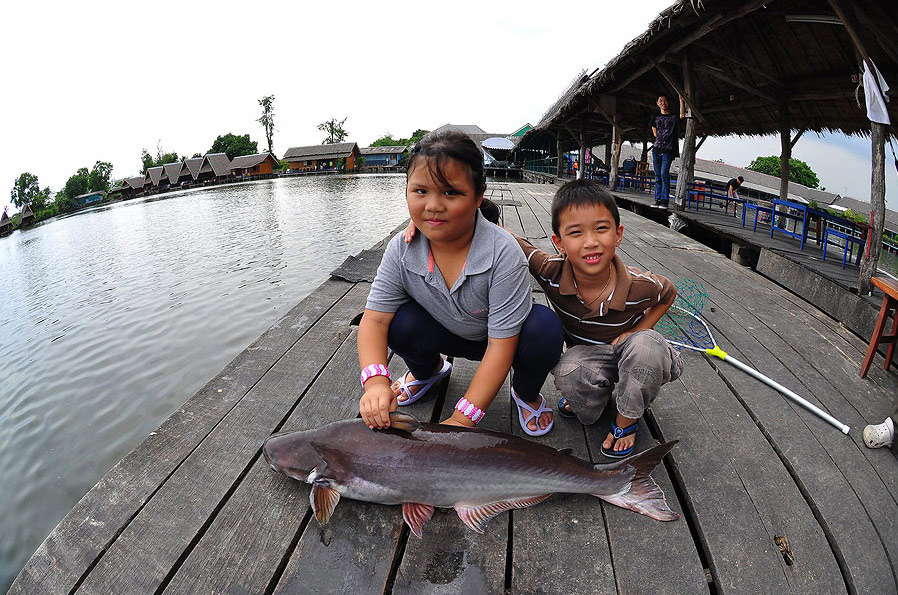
pixel 98 178
pixel 334 130
pixel 27 191
pixel 234 146
pixel 161 158
pixel 267 119
pixel 387 140
pixel 799 171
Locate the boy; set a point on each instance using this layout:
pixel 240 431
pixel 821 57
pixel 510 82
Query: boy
pixel 608 311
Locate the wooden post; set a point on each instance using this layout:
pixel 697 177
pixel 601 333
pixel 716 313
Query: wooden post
pixel 786 148
pixel 560 154
pixel 582 159
pixel 878 201
pixel 615 160
pixel 608 150
pixel 687 159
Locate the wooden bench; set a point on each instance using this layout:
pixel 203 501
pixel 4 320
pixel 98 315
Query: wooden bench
pixel 847 247
pixel 889 304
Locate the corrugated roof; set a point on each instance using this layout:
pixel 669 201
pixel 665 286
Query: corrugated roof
pixel 388 150
pixel 317 152
pixel 248 161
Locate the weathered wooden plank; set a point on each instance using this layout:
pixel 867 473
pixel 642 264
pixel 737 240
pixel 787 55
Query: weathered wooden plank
pixel 360 542
pixel 92 525
pixel 145 552
pixel 451 558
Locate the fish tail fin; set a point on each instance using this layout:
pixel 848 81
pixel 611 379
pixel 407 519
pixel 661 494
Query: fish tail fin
pixel 639 492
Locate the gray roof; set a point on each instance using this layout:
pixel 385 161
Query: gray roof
pixel 100 192
pixel 217 163
pixel 155 174
pixel 173 171
pixel 4 220
pixel 137 182
pixel 388 150
pixel 27 212
pixel 864 207
pixel 316 152
pixel 247 161
pixel 193 166
pixel 469 129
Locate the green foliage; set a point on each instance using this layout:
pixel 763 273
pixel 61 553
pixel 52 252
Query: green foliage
pixel 83 181
pixel 387 140
pixel 234 146
pixel 282 165
pixel 27 191
pixel 98 178
pixel 334 131
pixel 161 158
pixel 799 171
pixel 267 119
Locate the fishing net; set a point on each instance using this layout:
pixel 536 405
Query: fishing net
pixel 680 325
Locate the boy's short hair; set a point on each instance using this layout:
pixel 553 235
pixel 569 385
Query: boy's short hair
pixel 490 211
pixel 741 179
pixel 578 193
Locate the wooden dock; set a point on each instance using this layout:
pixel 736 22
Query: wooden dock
pixel 773 499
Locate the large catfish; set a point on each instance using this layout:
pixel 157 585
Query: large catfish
pixel 477 472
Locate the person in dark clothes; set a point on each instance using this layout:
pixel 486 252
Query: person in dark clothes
pixel 665 128
pixel 733 185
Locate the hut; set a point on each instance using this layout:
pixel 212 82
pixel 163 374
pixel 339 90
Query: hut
pixel 334 156
pixel 27 217
pixel 128 188
pixel 89 198
pixel 743 67
pixel 192 166
pixel 157 177
pixel 5 224
pixel 388 156
pixel 214 167
pixel 258 164
pixel 176 173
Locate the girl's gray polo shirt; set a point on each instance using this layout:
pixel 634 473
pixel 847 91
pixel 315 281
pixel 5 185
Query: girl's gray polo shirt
pixel 491 297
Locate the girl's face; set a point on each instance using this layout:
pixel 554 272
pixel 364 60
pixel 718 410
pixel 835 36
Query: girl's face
pixel 444 213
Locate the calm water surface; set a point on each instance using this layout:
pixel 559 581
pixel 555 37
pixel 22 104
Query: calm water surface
pixel 111 319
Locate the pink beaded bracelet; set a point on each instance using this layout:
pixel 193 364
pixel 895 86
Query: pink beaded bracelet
pixel 469 410
pixel 374 370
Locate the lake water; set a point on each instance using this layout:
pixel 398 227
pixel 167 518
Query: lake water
pixel 111 319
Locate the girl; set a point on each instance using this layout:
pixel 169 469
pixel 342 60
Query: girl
pixel 459 288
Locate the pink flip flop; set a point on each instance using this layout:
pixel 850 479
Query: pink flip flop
pixel 425 384
pixel 531 412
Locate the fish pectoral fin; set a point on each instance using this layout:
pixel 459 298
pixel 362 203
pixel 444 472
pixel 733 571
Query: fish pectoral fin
pixel 477 517
pixel 416 516
pixel 323 499
pixel 404 421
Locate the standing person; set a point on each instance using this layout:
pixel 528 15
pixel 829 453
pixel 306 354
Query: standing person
pixel 608 311
pixel 733 185
pixel 665 128
pixel 459 288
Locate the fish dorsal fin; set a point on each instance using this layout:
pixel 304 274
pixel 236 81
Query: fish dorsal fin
pixel 416 516
pixel 404 421
pixel 477 517
pixel 565 451
pixel 323 499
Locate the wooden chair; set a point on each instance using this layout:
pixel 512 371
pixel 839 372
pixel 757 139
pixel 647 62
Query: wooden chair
pixel 889 307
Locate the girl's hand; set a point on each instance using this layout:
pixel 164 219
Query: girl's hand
pixel 377 403
pixel 409 232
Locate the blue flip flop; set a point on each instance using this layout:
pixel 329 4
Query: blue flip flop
pixel 425 384
pixel 563 411
pixel 618 433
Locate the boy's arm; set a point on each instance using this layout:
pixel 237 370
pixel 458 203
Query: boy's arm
pixel 650 317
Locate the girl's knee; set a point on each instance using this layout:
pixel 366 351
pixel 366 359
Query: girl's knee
pixel 543 329
pixel 407 323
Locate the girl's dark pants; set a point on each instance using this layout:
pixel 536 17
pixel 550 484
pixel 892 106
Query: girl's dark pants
pixel 419 340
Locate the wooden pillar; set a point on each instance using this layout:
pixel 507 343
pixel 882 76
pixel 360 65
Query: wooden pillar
pixel 559 153
pixel 687 158
pixel 878 202
pixel 608 151
pixel 615 159
pixel 645 151
pixel 582 159
pixel 786 152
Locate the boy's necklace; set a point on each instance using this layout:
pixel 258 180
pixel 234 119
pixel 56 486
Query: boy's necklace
pixel 601 291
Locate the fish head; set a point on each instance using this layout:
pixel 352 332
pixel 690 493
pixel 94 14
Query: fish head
pixel 293 454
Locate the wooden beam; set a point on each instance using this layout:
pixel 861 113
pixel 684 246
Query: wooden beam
pixel 679 89
pixel 711 71
pixel 700 143
pixel 714 22
pixel 797 136
pixel 858 44
pixel 706 47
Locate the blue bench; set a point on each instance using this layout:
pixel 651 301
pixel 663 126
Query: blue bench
pixel 849 241
pixel 700 195
pixel 757 209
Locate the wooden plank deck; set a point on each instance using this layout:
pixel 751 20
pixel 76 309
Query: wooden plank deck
pixel 196 509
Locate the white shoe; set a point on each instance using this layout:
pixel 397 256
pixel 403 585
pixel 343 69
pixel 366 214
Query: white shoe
pixel 880 435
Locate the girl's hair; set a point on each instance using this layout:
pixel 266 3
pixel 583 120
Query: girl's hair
pixel 578 193
pixel 450 144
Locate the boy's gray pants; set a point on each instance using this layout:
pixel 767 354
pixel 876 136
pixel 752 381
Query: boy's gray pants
pixel 586 375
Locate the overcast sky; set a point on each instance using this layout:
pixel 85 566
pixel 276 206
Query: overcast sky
pixel 89 81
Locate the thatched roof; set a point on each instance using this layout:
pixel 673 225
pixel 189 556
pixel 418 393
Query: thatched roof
pixel 193 166
pixel 745 57
pixel 27 212
pixel 4 220
pixel 321 152
pixel 155 174
pixel 248 161
pixel 137 182
pixel 173 171
pixel 217 163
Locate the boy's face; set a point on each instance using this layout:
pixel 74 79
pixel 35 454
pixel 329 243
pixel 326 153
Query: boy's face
pixel 589 237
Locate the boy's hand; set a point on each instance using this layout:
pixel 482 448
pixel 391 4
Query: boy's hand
pixel 409 232
pixel 377 403
pixel 622 337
